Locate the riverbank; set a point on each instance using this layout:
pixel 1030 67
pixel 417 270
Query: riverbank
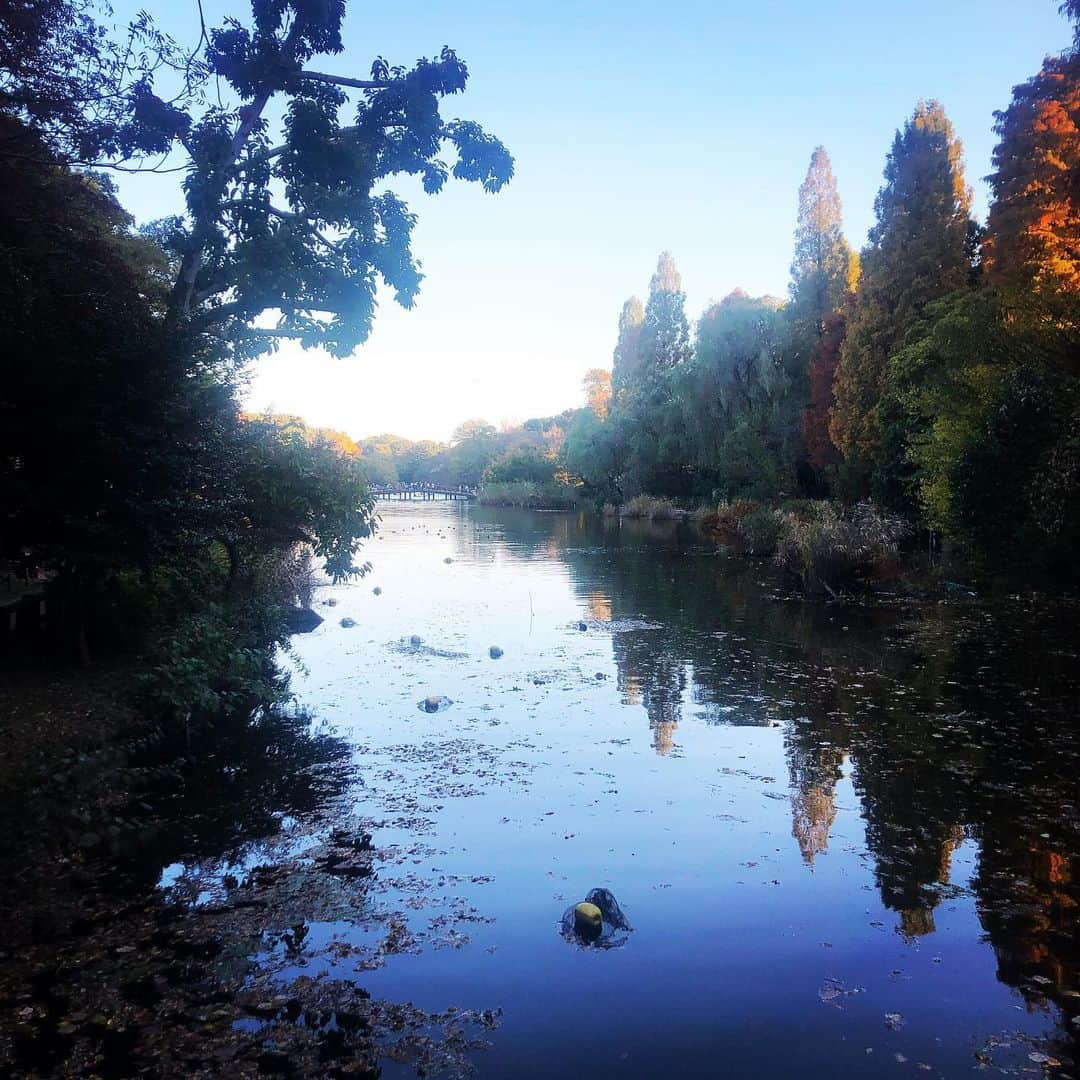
pixel 111 967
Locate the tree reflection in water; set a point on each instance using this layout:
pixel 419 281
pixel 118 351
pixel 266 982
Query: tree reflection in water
pixel 955 719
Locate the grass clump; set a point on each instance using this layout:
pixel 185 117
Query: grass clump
pixel 529 495
pixel 834 550
pixel 648 506
pixel 760 530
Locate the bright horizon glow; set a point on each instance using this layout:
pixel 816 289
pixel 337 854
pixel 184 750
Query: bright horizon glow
pixel 635 128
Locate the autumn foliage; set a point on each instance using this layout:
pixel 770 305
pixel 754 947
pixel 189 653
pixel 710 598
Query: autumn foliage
pixel 1034 224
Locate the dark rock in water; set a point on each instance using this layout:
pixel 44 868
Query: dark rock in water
pixel 580 927
pixel 347 622
pixel 448 560
pixel 600 676
pixel 301 620
pixel 377 590
pixel 583 626
pixel 330 603
pixel 495 652
pixel 415 641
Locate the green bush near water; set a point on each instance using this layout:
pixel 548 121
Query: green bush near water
pixel 833 550
pixel 647 506
pixel 530 495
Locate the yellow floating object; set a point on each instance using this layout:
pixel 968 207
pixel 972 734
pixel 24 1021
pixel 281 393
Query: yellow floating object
pixel 588 918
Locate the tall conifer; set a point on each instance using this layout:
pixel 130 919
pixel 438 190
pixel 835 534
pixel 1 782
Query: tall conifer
pixel 665 336
pixel 822 260
pixel 918 251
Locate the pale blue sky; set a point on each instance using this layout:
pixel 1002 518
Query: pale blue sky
pixel 636 127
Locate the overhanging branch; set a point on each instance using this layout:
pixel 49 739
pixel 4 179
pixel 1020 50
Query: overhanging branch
pixel 341 80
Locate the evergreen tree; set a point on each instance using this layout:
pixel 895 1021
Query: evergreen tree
pixel 1033 231
pixel 665 335
pixel 919 250
pixel 628 346
pixel 820 451
pixel 822 261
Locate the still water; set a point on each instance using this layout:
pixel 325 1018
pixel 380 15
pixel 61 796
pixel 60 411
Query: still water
pixel 847 839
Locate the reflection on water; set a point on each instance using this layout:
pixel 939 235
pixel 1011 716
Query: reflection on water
pixel 848 837
pixel 923 753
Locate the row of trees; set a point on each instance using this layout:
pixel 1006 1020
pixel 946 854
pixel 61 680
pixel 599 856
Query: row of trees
pixel 476 452
pixel 937 371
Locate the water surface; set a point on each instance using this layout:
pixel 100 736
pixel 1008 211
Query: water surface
pixel 846 837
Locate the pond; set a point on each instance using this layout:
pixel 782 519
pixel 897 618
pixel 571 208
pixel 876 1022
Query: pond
pixel 846 839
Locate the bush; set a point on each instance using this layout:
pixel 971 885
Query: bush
pixel 647 506
pixel 729 515
pixel 529 495
pixel 760 530
pixel 836 550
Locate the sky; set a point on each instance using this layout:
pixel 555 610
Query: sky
pixel 636 127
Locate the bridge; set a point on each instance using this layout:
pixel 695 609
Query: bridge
pixel 417 492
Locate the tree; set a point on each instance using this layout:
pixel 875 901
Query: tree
pixel 994 388
pixel 595 451
pixel 1033 230
pixel 597 383
pixel 140 464
pixel 733 399
pixel 1071 9
pixel 665 332
pixel 301 225
pixel 919 250
pixel 525 464
pixel 627 357
pixel 822 262
pixel 91 99
pixel 296 486
pixel 474 444
pixel 821 452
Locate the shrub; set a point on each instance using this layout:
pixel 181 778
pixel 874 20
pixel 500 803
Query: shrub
pixel 835 550
pixel 648 506
pixel 729 515
pixel 760 530
pixel 529 495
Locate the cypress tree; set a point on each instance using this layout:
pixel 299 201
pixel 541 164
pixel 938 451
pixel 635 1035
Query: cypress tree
pixel 919 250
pixel 822 260
pixel 665 335
pixel 1033 231
pixel 627 356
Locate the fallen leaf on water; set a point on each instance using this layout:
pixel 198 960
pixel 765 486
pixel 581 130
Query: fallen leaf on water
pixel 1043 1059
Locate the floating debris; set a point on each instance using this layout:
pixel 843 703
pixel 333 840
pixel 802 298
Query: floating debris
pixel 596 922
pixel 434 703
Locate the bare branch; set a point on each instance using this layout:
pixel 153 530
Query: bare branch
pixel 341 80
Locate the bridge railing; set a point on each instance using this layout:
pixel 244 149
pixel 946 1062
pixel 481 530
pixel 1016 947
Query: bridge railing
pixel 450 491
